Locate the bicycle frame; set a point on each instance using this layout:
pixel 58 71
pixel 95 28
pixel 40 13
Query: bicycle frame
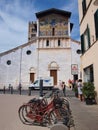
pixel 40 112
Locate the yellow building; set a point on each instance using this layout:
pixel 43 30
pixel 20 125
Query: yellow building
pixel 88 18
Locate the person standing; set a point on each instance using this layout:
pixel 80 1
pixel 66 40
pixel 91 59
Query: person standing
pixel 64 88
pixel 80 89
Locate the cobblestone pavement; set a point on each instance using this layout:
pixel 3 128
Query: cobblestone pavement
pixel 9 120
pixel 85 116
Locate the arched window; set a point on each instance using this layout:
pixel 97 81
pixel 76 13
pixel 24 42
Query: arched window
pixel 53 65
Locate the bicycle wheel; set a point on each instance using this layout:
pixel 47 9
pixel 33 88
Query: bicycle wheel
pixel 62 115
pixel 56 116
pixel 29 113
pixel 24 110
pixel 65 102
pixel 21 116
pixel 52 118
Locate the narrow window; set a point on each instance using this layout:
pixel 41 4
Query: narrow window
pixel 85 40
pixel 82 43
pixel 96 24
pixel 88 35
pixel 47 43
pixel 84 7
pixel 59 42
pixel 53 31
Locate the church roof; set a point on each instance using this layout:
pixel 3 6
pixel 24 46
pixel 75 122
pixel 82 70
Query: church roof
pixel 53 10
pixel 18 47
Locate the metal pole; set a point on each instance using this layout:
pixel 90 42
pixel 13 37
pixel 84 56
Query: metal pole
pixel 29 91
pixel 41 88
pixel 20 72
pixel 4 90
pixel 11 89
pixel 38 59
pixel 20 88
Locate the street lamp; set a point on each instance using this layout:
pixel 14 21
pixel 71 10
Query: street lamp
pixel 20 71
pixel 78 51
pixel 96 3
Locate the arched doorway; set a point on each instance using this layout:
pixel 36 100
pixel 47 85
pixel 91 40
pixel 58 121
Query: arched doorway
pixel 53 73
pixel 53 67
pixel 32 74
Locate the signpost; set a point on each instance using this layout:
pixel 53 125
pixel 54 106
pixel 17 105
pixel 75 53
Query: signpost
pixel 74 69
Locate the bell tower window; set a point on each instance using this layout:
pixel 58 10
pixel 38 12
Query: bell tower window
pixel 53 31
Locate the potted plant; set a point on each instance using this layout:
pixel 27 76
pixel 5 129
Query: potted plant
pixel 89 93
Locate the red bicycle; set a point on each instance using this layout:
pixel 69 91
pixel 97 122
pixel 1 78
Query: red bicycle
pixel 43 113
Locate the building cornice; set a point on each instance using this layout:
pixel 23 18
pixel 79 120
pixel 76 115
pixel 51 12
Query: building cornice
pixel 53 10
pixel 56 48
pixel 53 37
pixel 33 40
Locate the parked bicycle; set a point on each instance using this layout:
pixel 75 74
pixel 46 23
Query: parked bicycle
pixel 42 112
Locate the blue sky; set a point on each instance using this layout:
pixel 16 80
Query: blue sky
pixel 15 15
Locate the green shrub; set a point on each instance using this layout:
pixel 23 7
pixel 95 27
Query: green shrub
pixel 88 90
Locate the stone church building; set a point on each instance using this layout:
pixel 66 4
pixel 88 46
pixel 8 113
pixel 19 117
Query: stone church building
pixel 50 51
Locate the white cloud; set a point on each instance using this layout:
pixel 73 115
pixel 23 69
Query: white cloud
pixel 10 39
pixel 14 18
pixel 14 22
pixel 72 7
pixel 13 31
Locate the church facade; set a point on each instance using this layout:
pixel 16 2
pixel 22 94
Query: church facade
pixel 50 51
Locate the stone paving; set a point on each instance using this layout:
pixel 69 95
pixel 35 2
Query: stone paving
pixel 85 116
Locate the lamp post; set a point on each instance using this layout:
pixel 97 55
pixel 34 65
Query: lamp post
pixel 20 71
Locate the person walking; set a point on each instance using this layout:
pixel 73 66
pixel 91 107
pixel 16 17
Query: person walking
pixel 80 89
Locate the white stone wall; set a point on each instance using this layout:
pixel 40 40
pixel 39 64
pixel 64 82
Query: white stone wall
pixel 62 57
pixel 28 61
pixel 19 68
pixel 9 74
pixel 39 59
pixel 75 55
